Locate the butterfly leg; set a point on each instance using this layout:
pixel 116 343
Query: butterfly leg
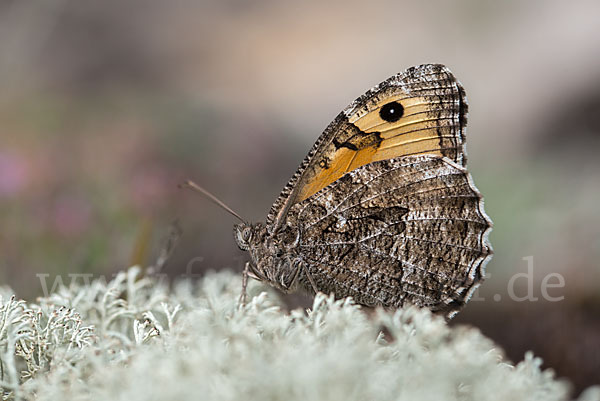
pixel 242 300
pixel 312 281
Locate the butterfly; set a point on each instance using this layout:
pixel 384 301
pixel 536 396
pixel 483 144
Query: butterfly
pixel 382 209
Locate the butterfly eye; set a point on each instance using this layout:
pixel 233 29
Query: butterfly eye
pixel 243 235
pixel 246 234
pixel 391 112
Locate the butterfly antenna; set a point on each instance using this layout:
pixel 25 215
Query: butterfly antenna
pixel 192 185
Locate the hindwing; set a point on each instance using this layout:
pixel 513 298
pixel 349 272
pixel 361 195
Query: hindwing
pixel 409 229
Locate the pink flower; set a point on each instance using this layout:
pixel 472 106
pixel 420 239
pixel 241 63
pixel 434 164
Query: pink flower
pixel 14 174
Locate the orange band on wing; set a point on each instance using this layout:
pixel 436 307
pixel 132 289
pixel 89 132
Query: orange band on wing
pixel 424 128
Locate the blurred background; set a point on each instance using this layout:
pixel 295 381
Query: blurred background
pixel 106 106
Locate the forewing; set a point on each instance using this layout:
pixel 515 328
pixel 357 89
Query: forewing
pixel 420 111
pixel 408 229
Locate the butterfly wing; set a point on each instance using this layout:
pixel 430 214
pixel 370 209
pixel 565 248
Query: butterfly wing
pixel 405 230
pixel 420 111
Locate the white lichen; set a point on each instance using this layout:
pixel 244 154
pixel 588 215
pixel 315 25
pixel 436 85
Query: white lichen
pixel 135 339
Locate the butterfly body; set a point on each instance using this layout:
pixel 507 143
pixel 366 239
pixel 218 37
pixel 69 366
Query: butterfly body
pixel 382 208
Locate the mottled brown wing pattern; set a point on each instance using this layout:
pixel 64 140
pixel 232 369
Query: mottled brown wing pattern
pixel 420 111
pixel 382 208
pixel 404 230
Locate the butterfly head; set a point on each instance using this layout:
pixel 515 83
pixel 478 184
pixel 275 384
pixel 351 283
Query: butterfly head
pixel 274 256
pixel 244 233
